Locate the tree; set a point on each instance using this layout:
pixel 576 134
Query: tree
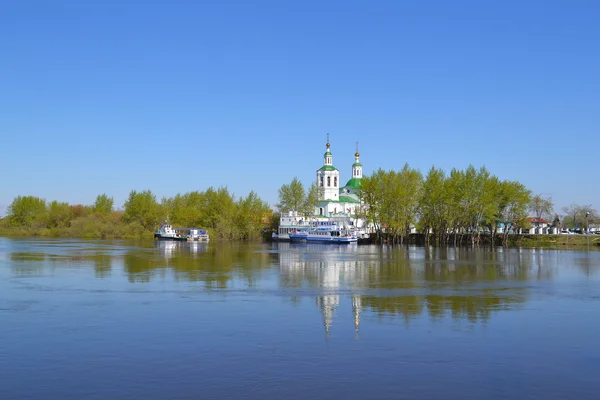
pixel 580 215
pixel 311 199
pixel 59 215
pixel 142 207
pixel 251 217
pixel 27 210
pixel 433 205
pixel 104 204
pixel 292 197
pixel 372 199
pixel 514 200
pixel 408 185
pixel 541 206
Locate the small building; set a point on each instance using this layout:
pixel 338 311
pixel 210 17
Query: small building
pixel 539 226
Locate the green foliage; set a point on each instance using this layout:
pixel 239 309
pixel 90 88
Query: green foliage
pixel 434 202
pixel 311 199
pixel 252 214
pixel 27 211
pixel 463 202
pixel 514 200
pixel 292 197
pixel 214 209
pixel 391 200
pixel 142 207
pixel 59 215
pixel 104 204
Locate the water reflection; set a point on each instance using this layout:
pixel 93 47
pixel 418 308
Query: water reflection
pixel 411 282
pixel 150 318
pixel 214 264
pixel 386 282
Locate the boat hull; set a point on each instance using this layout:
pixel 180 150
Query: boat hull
pixel 170 238
pixel 294 238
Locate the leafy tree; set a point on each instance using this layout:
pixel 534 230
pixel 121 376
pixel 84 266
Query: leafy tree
pixel 218 209
pixel 142 207
pixel 27 210
pixel 292 197
pixel 515 198
pixel 103 204
pixel 311 199
pixel 433 205
pixel 372 198
pixel 59 215
pixel 252 215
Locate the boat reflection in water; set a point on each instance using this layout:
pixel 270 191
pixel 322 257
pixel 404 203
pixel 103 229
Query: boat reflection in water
pixel 169 249
pixel 410 282
pixel 216 264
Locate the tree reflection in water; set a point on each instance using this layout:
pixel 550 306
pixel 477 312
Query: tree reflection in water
pixel 214 264
pixel 384 282
pixel 462 283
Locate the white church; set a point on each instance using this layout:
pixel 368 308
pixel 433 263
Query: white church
pixel 334 200
pixel 336 203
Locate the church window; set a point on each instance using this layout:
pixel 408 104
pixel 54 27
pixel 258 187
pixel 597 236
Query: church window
pixel 328 181
pixel 335 181
pixel 321 180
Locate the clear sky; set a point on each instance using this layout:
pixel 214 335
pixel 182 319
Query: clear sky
pixel 174 96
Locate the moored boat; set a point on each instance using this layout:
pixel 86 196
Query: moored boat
pixel 324 233
pixel 197 235
pixel 167 232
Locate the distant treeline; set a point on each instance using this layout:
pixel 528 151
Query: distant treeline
pixel 448 208
pixel 217 210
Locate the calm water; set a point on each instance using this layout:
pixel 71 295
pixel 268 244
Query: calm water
pixel 121 320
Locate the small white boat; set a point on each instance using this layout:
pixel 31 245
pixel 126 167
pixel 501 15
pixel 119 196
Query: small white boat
pixel 197 235
pixel 167 232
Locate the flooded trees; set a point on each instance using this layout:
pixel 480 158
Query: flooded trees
pixel 391 201
pixel 445 208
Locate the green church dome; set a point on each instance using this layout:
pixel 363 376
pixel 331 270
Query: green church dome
pixel 354 183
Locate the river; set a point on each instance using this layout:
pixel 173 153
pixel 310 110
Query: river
pixel 144 320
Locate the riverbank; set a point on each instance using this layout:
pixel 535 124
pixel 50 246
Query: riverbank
pixel 550 241
pixel 134 231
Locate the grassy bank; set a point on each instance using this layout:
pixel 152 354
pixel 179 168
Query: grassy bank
pixel 549 241
pixel 87 227
pixel 557 240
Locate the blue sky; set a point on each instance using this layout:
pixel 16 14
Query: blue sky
pixel 106 97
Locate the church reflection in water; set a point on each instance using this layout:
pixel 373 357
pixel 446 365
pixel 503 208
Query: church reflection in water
pixel 361 282
pixel 413 282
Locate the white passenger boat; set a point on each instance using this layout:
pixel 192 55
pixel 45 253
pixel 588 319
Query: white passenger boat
pixel 290 222
pixel 324 232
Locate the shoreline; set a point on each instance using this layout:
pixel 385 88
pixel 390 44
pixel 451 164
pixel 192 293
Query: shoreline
pixel 515 241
